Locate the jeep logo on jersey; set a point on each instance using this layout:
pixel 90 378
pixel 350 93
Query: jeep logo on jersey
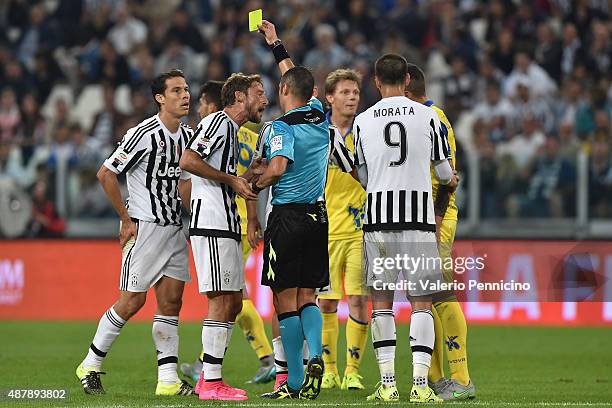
pixel 169 171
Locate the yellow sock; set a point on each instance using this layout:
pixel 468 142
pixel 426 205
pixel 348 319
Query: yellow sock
pixel 201 358
pixel 356 337
pixel 436 371
pixel 252 326
pixel 455 339
pixel 330 342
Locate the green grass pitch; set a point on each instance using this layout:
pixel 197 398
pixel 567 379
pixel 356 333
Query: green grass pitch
pixel 511 367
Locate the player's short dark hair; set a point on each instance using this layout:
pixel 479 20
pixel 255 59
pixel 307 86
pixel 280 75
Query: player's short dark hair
pixel 416 86
pixel 158 85
pixel 391 69
pixel 212 92
pixel 300 82
pixel 238 82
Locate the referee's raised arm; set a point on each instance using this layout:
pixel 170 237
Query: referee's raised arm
pixel 278 49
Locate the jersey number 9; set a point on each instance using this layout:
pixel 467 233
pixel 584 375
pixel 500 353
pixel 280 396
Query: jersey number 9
pixel 402 143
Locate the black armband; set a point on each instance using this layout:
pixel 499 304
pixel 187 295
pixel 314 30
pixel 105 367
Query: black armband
pixel 279 51
pixel 442 200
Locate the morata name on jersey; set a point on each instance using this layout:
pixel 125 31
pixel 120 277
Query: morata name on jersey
pixel 400 110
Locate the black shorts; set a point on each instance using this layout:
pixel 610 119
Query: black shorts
pixel 295 247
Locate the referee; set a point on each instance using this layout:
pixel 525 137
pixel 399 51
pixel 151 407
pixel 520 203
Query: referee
pixel 295 241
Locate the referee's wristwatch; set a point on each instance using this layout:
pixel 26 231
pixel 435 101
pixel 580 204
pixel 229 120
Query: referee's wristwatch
pixel 254 187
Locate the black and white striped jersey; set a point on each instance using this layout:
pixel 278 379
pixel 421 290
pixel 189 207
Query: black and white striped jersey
pixel 149 155
pixel 396 139
pixel 213 204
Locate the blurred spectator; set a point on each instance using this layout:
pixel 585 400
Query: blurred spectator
pixel 127 31
pixel 571 48
pixel 458 88
pixel 87 150
pixel 62 151
pixel 176 55
pixel 10 117
pixel 36 35
pixel 522 148
pixel 46 223
pixel 495 112
pixel 33 129
pixel 526 105
pixel 600 180
pixel 46 74
pixel 551 191
pixel 532 75
pixel 357 17
pixel 487 74
pixel 548 51
pixel 503 52
pixel 327 54
pixel 249 48
pixel 567 106
pixel 570 144
pixel 186 32
pixel 599 54
pixel 142 65
pixel 110 67
pixel 585 115
pixel 107 121
pixel 10 163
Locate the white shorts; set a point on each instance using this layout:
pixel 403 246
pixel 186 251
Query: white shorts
pixel 157 251
pixel 414 253
pixel 218 262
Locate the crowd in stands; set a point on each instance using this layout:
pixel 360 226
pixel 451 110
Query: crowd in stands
pixel 526 84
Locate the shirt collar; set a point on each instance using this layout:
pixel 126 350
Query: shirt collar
pixel 428 102
pixel 328 116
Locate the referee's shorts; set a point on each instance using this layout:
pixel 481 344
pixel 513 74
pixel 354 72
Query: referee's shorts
pixel 295 247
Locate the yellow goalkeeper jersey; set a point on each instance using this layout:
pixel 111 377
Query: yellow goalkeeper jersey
pixel 345 199
pixel 451 211
pixel 247 139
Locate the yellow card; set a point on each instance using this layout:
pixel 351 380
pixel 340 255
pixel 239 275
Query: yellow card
pixel 255 18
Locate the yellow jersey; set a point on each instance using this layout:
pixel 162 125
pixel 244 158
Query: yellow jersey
pixel 451 211
pixel 247 139
pixel 345 200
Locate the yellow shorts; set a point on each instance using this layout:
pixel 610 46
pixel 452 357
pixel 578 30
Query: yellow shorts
pixel 345 261
pixel 246 248
pixel 445 247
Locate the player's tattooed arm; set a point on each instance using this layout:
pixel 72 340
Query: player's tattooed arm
pixel 280 53
pixel 110 184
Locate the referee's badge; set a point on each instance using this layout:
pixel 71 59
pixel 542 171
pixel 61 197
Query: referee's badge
pixel 276 143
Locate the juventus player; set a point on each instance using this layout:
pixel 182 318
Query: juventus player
pixel 154 248
pixel 212 157
pixel 396 140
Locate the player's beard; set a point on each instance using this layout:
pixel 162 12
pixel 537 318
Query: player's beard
pixel 254 116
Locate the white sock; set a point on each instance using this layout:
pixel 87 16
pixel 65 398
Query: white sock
pixel 305 354
pixel 383 340
pixel 422 338
pixel 230 329
pixel 280 360
pixel 214 340
pixel 166 339
pixel 108 329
